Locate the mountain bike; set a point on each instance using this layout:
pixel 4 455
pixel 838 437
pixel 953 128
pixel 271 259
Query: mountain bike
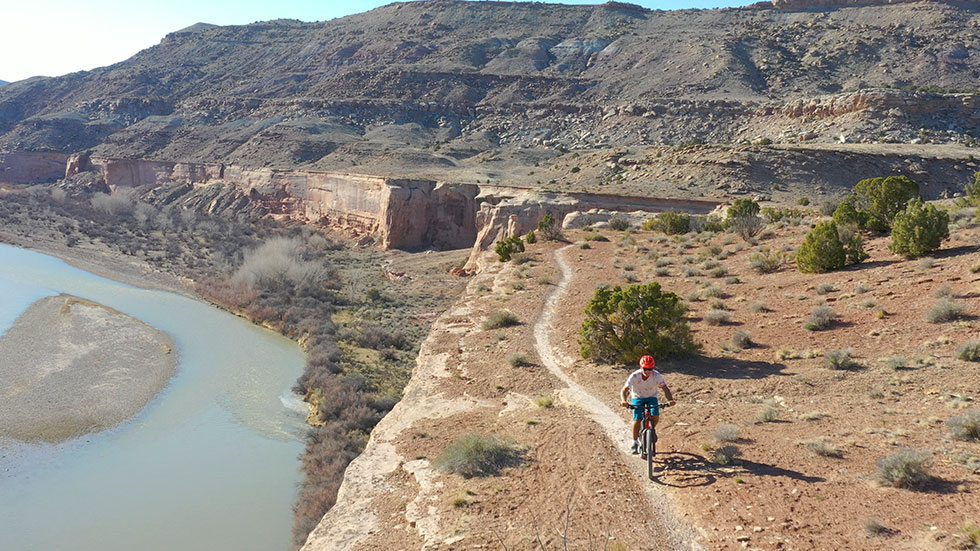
pixel 648 435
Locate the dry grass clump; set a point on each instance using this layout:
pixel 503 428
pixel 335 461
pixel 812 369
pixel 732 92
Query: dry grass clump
pixel 726 432
pixel 479 455
pixel 945 310
pixel 717 317
pixel 896 363
pixel 518 360
pixel 766 261
pixel 767 414
pixel 822 446
pixel 499 319
pixel 726 455
pixel 824 288
pixel 969 351
pixel 966 426
pixel 543 401
pixel 907 468
pixel 839 359
pixel 742 339
pixel 759 307
pixel 822 317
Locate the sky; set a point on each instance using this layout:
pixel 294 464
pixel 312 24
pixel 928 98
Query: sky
pixel 55 37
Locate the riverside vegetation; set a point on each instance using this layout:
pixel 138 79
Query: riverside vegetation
pixel 360 330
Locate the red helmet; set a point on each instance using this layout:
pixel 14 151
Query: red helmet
pixel 646 362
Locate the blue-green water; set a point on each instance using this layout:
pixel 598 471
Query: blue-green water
pixel 211 463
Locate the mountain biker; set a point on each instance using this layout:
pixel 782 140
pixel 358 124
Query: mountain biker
pixel 642 385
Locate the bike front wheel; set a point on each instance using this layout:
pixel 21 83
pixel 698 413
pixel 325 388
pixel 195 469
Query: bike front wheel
pixel 650 449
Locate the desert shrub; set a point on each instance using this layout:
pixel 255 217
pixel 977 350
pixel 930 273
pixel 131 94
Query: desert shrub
pixel 847 215
pixel 531 237
pixel 669 222
pixel 918 229
pixel 883 198
pixel 907 468
pixel 943 291
pixel 718 271
pixel 838 359
pixel 822 317
pixel 822 250
pixel 873 528
pixel 896 362
pixel 709 223
pixel 726 432
pixel 726 455
pixel 113 204
pixel 743 208
pixel 969 351
pixel 823 447
pixel 944 310
pixel 596 237
pixel 790 215
pixel 549 229
pixel 521 258
pixel 767 414
pixel 717 317
pixel 971 192
pixel 278 264
pixel 803 201
pixel 622 324
pixel 619 223
pixel 824 288
pixel 966 426
pixel 507 247
pixel 766 261
pixel 972 534
pixel 518 360
pixel 479 455
pixel 499 319
pixel 742 339
pixel 746 227
pixel 759 307
pixel 543 401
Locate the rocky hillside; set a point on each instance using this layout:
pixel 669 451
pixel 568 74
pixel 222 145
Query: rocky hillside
pixel 442 87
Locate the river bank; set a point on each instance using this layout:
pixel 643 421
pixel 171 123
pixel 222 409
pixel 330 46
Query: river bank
pixel 70 366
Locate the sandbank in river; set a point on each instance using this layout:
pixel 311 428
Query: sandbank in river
pixel 69 366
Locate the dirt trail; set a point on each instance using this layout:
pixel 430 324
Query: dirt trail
pixel 677 533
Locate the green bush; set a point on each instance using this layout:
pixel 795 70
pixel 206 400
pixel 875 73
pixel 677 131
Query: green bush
pixel 746 227
pixel 531 238
pixel 623 324
pixel 847 215
pixel 726 455
pixel 743 208
pixel 549 229
pixel 919 229
pixel 479 455
pixel 839 359
pixel 506 247
pixel 907 468
pixel 882 198
pixel 972 192
pixel 822 250
pixel 669 222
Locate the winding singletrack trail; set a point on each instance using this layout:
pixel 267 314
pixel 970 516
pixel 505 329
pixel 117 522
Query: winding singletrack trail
pixel 676 533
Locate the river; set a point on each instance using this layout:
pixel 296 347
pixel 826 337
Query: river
pixel 212 463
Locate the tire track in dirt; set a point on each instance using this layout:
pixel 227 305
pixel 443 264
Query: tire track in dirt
pixel 675 532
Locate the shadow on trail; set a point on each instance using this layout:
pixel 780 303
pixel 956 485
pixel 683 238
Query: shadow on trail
pixel 725 368
pixel 689 470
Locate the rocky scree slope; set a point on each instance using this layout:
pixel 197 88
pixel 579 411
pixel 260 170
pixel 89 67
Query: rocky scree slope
pixel 444 87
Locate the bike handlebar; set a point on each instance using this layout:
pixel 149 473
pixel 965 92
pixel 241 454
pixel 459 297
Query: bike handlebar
pixel 643 406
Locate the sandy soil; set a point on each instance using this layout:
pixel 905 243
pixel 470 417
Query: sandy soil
pixel 69 366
